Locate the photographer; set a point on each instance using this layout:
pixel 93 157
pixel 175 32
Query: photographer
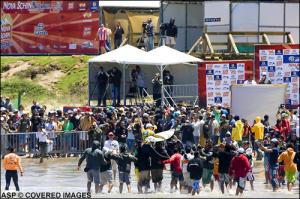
pixel 171 33
pixel 102 80
pixel 149 42
pixel 168 81
pixel 156 83
pixel 162 34
pixel 115 76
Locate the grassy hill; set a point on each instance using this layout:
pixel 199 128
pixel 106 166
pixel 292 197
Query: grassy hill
pixel 52 80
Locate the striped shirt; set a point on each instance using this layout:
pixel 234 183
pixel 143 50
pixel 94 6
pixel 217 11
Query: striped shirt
pixel 102 34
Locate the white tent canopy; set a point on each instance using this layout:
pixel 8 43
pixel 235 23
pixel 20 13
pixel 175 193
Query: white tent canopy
pixel 165 55
pixel 159 57
pixel 123 55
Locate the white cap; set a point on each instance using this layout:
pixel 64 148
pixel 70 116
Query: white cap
pixel 172 109
pixel 241 150
pixel 274 140
pixel 249 151
pixel 183 109
pixel 149 125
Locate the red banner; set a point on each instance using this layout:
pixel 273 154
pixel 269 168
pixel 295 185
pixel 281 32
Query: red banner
pixel 216 77
pixel 49 27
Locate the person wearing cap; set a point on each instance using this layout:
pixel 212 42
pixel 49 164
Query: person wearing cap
pixel 239 167
pixel 273 161
pixel 290 167
pixel 258 130
pixel 264 79
pixel 12 163
pixel 148 131
pixel 228 140
pixel 94 159
pixel 224 127
pixel 112 145
pixel 42 136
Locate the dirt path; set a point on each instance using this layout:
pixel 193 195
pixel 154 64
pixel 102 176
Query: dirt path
pixel 14 68
pixel 48 80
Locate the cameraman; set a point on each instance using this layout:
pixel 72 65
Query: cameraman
pixel 171 33
pixel 168 81
pixel 149 42
pixel 102 78
pixel 162 33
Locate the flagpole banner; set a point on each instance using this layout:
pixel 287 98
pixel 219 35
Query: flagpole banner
pixel 216 77
pixel 280 63
pixel 49 27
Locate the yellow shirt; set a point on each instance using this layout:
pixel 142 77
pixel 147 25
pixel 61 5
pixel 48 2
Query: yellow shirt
pixel 287 157
pixel 237 131
pixel 12 162
pixel 146 133
pixel 258 130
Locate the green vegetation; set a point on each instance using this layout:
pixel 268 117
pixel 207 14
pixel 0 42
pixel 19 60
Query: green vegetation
pixel 68 88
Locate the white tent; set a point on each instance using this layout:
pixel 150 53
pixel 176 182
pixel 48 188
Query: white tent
pixel 163 56
pixel 124 55
pixel 159 57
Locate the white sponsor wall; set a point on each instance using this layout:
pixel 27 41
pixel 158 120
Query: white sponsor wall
pixel 250 101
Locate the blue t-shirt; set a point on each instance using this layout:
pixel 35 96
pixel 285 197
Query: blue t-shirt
pixel 273 158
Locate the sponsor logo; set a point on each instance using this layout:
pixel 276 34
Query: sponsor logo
pixel 217 72
pixel 295 52
pixel 226 104
pixel 210 88
pixel 218 100
pixel 87 31
pixel 278 73
pixel 218 94
pixel 32 46
pixel 295 73
pixel 56 6
pixel 87 15
pixel 209 66
pixel 55 46
pixel 225 77
pixel 271 58
pixel 286 52
pixel 271 69
pixel 232 66
pixel 225 66
pixel 82 6
pixel 295 79
pixel 295 90
pixel 210 83
pixel 225 72
pixel 63 46
pixel 217 77
pixel 225 88
pixel 218 83
pixel 232 76
pixel 286 79
pixel 87 44
pixel 240 65
pixel 210 94
pixel 241 77
pixel 217 66
pixel 286 74
pixel 271 63
pixel 39 29
pixel 240 81
pixel 271 74
pixel 290 58
pixel 240 71
pixel 278 63
pixel 233 82
pixel 279 80
pixel 209 78
pixel 278 52
pixel 70 5
pixel 209 72
pixel 232 71
pixel 279 57
pixel 226 94
pixel 94 6
pixel 72 46
pixel 263 69
pixel 263 58
pixel 271 52
pixel 217 88
pixel 40 47
pixel 263 63
pixel 263 52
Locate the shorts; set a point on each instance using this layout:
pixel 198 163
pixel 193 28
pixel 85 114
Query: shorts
pixel 290 176
pixel 224 177
pixel 93 175
pixel 43 148
pixel 178 176
pixel 106 177
pixel 240 182
pixel 144 178
pixel 195 185
pixel 207 176
pixel 157 175
pixel 124 177
pixel 170 40
pixel 102 43
pixel 250 176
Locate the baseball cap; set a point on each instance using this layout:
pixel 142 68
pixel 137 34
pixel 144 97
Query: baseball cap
pixel 241 150
pixel 228 133
pixel 223 115
pixel 274 140
pixel 149 125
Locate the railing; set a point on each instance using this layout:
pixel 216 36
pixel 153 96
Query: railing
pixel 71 142
pixel 183 92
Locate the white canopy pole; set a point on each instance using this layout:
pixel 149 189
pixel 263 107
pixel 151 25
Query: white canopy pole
pixel 124 87
pixel 162 86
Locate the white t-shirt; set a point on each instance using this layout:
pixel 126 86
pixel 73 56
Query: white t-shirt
pixel 196 126
pixel 111 145
pixel 184 165
pixel 42 136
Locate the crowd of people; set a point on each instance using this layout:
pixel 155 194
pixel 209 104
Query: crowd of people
pixel 209 144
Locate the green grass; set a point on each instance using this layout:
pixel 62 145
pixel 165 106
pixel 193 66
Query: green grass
pixel 12 86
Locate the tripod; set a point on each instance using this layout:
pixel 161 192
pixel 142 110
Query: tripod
pixel 93 92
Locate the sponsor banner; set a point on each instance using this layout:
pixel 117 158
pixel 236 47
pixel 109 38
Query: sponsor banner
pixel 281 64
pixel 49 27
pixel 218 77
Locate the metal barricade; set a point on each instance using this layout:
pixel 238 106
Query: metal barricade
pixel 183 92
pixel 58 143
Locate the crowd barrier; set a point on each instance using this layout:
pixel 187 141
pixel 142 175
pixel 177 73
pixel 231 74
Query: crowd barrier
pixel 59 142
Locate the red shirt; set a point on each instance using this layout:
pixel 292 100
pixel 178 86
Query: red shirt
pixel 102 34
pixel 286 124
pixel 239 166
pixel 175 162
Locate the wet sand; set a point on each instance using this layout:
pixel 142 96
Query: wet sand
pixel 61 175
